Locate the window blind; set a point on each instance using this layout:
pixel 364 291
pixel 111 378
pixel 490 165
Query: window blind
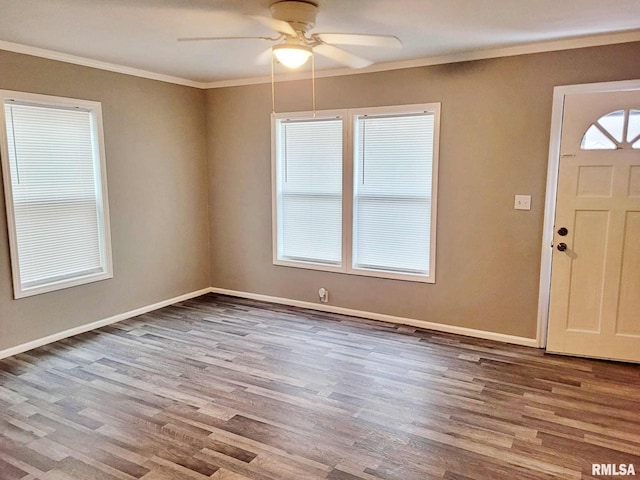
pixel 56 194
pixel 310 190
pixel 392 192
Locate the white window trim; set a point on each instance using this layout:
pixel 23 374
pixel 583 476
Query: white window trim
pixel 348 116
pixel 95 108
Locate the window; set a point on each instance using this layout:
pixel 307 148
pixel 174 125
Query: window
pixel 310 190
pixel 55 188
pixel 354 191
pixel 392 192
pixel 608 131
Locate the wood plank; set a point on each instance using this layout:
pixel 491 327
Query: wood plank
pixel 224 388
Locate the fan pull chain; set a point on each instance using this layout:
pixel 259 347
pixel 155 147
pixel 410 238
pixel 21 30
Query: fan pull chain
pixel 273 88
pixel 313 83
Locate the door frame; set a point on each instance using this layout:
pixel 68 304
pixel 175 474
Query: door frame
pixel 559 94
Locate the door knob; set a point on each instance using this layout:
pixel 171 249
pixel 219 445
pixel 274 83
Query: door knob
pixel 563 232
pixel 562 247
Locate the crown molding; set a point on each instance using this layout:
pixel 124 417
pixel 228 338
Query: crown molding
pixel 88 62
pixel 539 47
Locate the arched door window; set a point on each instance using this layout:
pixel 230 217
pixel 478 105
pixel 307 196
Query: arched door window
pixel 615 130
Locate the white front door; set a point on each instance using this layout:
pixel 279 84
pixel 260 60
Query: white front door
pixel 594 307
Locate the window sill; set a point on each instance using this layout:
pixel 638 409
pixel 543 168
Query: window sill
pixel 407 277
pixel 20 292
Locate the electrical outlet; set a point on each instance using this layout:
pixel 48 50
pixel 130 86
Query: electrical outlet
pixel 323 293
pixel 523 202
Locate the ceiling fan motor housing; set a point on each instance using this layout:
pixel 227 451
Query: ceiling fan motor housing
pixel 301 15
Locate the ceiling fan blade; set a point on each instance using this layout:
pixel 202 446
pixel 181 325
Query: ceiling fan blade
pixel 341 56
pixel 386 41
pixel 274 24
pixel 265 57
pixel 198 39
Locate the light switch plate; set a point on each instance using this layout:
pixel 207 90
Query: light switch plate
pixel 523 202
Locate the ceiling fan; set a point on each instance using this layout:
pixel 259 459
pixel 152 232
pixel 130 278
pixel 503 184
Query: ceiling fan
pixel 293 19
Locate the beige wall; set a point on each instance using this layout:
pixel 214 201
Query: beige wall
pixel 156 170
pixel 495 135
pixel 494 144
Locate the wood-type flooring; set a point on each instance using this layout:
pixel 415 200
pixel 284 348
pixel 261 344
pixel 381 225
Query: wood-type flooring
pixel 231 389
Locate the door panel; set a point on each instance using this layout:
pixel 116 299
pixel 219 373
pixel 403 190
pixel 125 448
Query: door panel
pixel 634 182
pixel 629 307
pixel 595 181
pixel 594 307
pixel 587 269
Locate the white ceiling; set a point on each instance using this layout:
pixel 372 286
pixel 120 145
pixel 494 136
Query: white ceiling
pixel 141 34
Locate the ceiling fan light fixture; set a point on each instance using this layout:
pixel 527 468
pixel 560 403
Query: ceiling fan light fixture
pixel 292 56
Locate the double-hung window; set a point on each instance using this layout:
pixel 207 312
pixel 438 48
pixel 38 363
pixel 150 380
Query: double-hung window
pixel 309 193
pixel 355 191
pixel 55 188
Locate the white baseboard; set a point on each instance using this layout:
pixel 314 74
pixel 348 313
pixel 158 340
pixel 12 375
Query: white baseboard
pixel 440 327
pixel 100 323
